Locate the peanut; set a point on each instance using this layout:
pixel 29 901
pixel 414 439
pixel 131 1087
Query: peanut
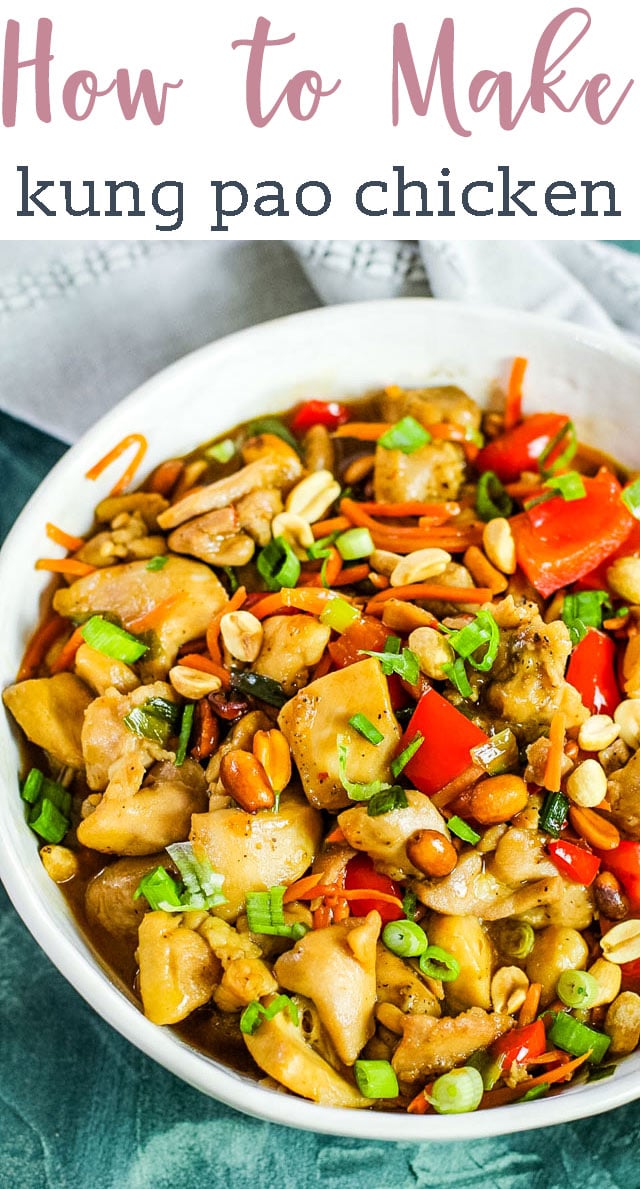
pixel 359 469
pixel 272 751
pixel 59 862
pixel 318 449
pixel 406 617
pixel 483 572
pixel 627 716
pixel 193 683
pixel 431 852
pixel 609 897
pixel 433 651
pixel 609 978
pixel 587 784
pixel 622 1023
pixel 499 545
pixel 498 799
pixel 419 566
pixel 384 562
pixel 509 987
pixel 244 779
pixel 313 496
pixel 598 732
pixel 624 578
pixel 295 530
pixel 596 830
pixel 622 943
pixel 242 634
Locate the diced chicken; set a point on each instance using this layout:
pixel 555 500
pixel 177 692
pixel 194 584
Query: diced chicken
pixel 255 851
pixel 50 711
pixel 397 982
pixel 574 909
pixel 291 645
pixel 527 677
pixel 623 795
pixel 466 939
pixel 226 942
pixel 472 890
pixel 243 980
pixel 106 737
pixel 430 406
pixel 434 472
pixel 384 837
pixel 256 511
pixel 214 538
pixel 178 971
pixel 147 504
pixel 335 967
pixel 332 861
pixel 109 899
pixel 130 591
pixel 279 1048
pixel 314 719
pixel 520 856
pixel 127 540
pixel 431 1046
pixel 102 672
pixel 140 819
pixel 274 465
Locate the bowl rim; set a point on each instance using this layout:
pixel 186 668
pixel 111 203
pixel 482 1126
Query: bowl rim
pixel 83 970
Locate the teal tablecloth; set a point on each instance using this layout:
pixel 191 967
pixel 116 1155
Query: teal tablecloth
pixel 83 1109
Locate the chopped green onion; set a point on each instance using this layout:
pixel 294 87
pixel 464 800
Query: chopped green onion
pixel 356 791
pixel 438 963
pixel 474 436
pixel 355 543
pixel 489 1067
pixel 156 563
pixel 322 547
pixel 406 435
pixel 30 790
pixel 483 632
pixel 37 786
pixel 339 615
pixel 221 451
pixel 47 821
pixel 584 610
pixel 231 578
pixel 376 1079
pixel 202 884
pixel 273 425
pixel 576 1038
pixel 577 988
pixel 499 754
pixel 457 1092
pixel 405 939
pixel 258 686
pixel 159 890
pixel 404 663
pixel 535 1092
pixel 112 641
pixel 553 814
pixel 462 830
pixel 265 914
pixel 515 939
pixel 457 675
pixel 185 734
pixel 365 727
pixel 409 905
pixel 492 501
pixel 621 612
pixel 278 565
pixel 163 708
pixel 146 724
pixel 255 1013
pixel 399 764
pixel 570 486
pixel 604 1071
pixel 568 432
pixel 631 497
pixel 386 801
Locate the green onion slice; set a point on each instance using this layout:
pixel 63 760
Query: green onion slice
pixel 202 884
pixel 565 437
pixel 570 486
pixel 355 543
pixel 577 988
pixel 278 565
pixel 535 1092
pixel 365 727
pixel 463 830
pixel 386 801
pixel 584 610
pixel 404 663
pixel 409 904
pixel 231 578
pixel 339 615
pixel 553 814
pixel 221 451
pixel 47 821
pixel 376 1079
pixel 499 754
pixel 145 723
pixel 186 727
pixel 631 497
pixel 255 1013
pixel 457 1092
pixel 457 675
pixel 405 939
pixel 576 1038
pixel 258 686
pixel 406 435
pixel 112 641
pixel 37 787
pixel 273 425
pixel 514 939
pixel 489 1067
pixel 159 890
pixel 482 633
pixel 492 501
pixel 156 563
pixel 322 547
pixel 355 790
pixel 439 963
pixel 399 764
pixel 265 914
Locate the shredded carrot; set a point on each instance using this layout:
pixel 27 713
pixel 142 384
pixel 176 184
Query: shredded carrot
pixel 322 667
pixel 322 917
pixel 195 661
pixel 339 909
pixel 419 1104
pixel 303 598
pixel 404 539
pixel 553 1057
pixel 151 619
pixel 301 887
pixel 165 477
pixel 324 528
pixel 513 404
pixel 364 431
pixel 529 1009
pixel 348 894
pixel 64 565
pixel 553 766
pixel 336 835
pixel 412 508
pixel 430 590
pixel 508 1094
pixel 133 439
pixel 213 631
pixel 71 544
pixel 67 654
pixel 351 575
pixel 39 645
pixel 333 566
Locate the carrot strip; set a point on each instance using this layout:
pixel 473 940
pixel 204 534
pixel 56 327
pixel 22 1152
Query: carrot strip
pixel 323 528
pixel 213 631
pixel 553 766
pixel 303 598
pixel 513 403
pixel 509 1094
pixel 64 565
pixel 554 1056
pixel 419 1104
pixel 67 654
pixel 445 509
pixel 431 590
pixel 340 910
pixel 195 661
pixel 132 439
pixel 151 619
pixel 39 645
pixel 165 477
pixel 322 917
pixel 333 567
pixel 350 576
pixel 395 537
pixel 529 1009
pixel 364 431
pixel 336 835
pixel 349 894
pixel 301 887
pixel 71 544
pixel 322 667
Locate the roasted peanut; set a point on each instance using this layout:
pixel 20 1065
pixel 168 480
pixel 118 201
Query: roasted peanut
pixel 272 751
pixel 587 784
pixel 609 978
pixel 193 683
pixel 295 530
pixel 244 779
pixel 483 572
pixel 384 562
pixel 359 469
pixel 622 943
pixel 624 578
pixel 406 617
pixel 609 897
pixel 431 852
pixel 595 830
pixel 498 799
pixel 509 987
pixel 313 496
pixel 242 634
pixel 598 732
pixel 419 566
pixel 499 545
pixel 59 862
pixel 622 1023
pixel 318 449
pixel 627 716
pixel 433 651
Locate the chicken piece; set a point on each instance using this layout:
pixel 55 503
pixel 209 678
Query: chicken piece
pixel 50 711
pixel 431 406
pixel 273 464
pixel 384 837
pixel 108 899
pixel 623 795
pixel 244 980
pixel 135 819
pixel 399 983
pixel 127 540
pixel 226 942
pixel 519 856
pixel 527 677
pixel 314 719
pixel 255 851
pixel 434 472
pixel 130 591
pixel 147 504
pixel 574 908
pixel 469 943
pixel 291 645
pixel 106 737
pixel 198 538
pixel 331 863
pixel 178 971
pixel 102 672
pixel 472 890
pixel 431 1046
pixel 279 1048
pixel 256 511
pixel 335 967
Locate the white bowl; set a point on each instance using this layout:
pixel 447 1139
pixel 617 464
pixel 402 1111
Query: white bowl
pixel 338 351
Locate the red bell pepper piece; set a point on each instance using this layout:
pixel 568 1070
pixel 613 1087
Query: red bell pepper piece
pixel 574 862
pixel 361 873
pixel 592 671
pixel 520 1044
pixel 519 449
pixel 560 541
pixel 624 863
pixel 319 412
pixel 597 579
pixel 367 634
pixel 448 738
